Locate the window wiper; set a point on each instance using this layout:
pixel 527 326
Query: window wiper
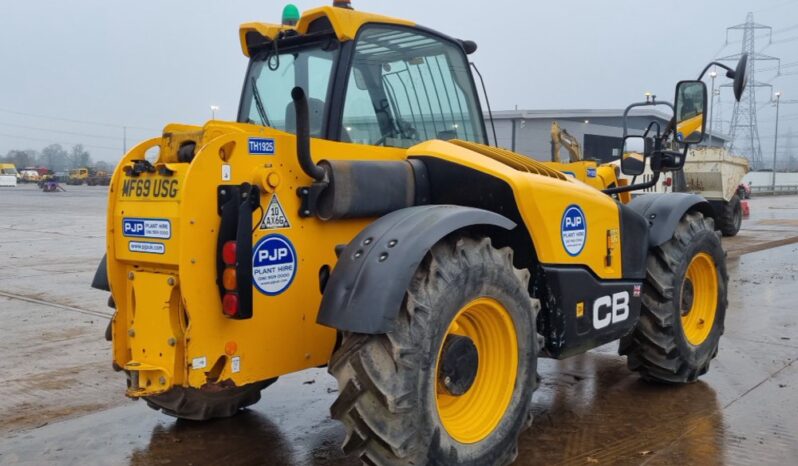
pixel 259 103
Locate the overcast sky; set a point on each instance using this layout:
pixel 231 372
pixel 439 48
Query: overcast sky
pixel 145 63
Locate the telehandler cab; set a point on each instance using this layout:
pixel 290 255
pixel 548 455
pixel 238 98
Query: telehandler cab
pixel 355 217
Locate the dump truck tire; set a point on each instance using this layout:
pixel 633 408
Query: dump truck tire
pixel 732 217
pixel 201 405
pixel 683 305
pixel 467 308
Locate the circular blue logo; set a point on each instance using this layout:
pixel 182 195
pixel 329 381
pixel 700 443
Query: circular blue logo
pixel 273 264
pixel 573 230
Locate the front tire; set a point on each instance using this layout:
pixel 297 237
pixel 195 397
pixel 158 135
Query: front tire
pixel 732 217
pixel 453 381
pixel 683 305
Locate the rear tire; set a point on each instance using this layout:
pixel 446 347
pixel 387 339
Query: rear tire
pixel 670 343
pixel 732 217
pixel 393 402
pixel 201 405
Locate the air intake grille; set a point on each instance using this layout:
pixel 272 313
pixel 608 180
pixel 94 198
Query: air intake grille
pixel 511 159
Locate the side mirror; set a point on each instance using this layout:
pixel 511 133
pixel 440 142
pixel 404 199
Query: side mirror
pixel 740 77
pixel 633 156
pixel 690 104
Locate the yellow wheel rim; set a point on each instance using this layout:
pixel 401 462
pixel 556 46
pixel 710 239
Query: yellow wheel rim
pixel 699 298
pixel 472 416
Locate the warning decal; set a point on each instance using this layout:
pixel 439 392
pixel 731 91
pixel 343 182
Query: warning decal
pixel 274 217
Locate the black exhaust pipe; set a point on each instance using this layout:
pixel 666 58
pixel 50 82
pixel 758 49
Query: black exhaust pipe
pixel 303 135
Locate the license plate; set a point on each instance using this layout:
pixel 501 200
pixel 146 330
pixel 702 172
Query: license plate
pixel 150 188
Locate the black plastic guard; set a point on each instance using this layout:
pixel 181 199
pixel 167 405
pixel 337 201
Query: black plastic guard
pixel 582 312
pixel 369 281
pixel 100 280
pixel 663 211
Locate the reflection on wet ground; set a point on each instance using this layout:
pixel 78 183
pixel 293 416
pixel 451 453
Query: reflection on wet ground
pixel 589 409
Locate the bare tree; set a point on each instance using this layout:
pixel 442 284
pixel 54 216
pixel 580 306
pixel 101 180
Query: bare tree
pixel 54 157
pixel 80 157
pixel 21 158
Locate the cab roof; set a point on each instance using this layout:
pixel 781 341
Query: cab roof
pixel 345 23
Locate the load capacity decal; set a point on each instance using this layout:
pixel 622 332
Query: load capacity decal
pixel 274 264
pixel 147 228
pixel 274 217
pixel 573 230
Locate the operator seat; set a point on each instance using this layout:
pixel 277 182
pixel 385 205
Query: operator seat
pixel 315 115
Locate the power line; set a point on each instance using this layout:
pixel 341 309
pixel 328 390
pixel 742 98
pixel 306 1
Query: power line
pixel 785 29
pixel 73 133
pixel 60 142
pixel 771 7
pixel 71 120
pixel 783 65
pixel 789 39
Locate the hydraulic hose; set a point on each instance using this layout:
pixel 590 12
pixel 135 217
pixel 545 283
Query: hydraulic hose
pixel 303 135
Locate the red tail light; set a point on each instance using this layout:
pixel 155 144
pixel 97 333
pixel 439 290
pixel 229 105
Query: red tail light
pixel 668 181
pixel 230 304
pixel 229 252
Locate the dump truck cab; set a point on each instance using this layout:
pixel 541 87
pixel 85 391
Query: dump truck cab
pixel 355 216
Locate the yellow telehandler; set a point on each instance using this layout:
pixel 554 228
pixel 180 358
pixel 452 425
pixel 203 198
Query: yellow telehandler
pixel 356 217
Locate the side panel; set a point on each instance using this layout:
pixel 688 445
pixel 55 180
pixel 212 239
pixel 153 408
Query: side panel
pixel 282 336
pixel 548 208
pixel 583 312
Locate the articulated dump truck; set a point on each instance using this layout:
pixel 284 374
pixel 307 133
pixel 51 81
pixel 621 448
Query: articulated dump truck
pixel 355 217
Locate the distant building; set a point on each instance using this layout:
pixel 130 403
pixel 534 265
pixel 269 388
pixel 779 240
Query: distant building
pixel 599 131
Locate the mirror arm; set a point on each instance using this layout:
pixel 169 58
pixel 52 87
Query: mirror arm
pixel 634 187
pixel 650 125
pixel 729 71
pixel 642 104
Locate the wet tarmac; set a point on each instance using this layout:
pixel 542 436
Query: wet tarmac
pixel 60 403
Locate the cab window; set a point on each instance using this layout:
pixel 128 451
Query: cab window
pixel 407 86
pixel 272 76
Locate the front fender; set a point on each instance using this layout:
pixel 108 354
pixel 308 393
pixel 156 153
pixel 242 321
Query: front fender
pixel 663 211
pixel 368 284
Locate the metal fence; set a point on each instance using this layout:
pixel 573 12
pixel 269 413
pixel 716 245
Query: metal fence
pixel 778 190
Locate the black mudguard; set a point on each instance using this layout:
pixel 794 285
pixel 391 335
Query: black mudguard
pixel 663 211
pixel 100 280
pixel 368 284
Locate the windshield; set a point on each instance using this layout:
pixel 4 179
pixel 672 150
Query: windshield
pixel 8 171
pixel 267 91
pixel 407 86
